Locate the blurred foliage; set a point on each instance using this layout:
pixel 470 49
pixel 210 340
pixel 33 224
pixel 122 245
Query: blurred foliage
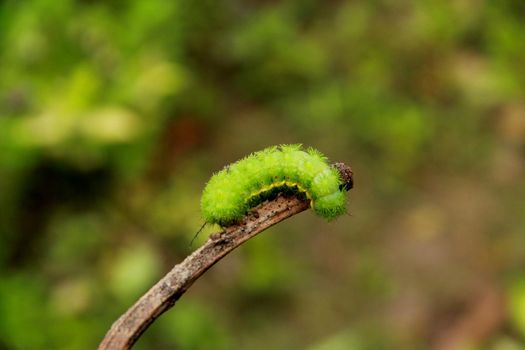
pixel 113 114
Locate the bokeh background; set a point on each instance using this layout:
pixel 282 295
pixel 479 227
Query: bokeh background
pixel 113 115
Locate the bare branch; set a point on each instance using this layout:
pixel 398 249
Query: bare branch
pixel 163 295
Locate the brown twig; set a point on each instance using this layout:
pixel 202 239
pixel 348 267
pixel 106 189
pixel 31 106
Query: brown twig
pixel 163 295
pixel 484 316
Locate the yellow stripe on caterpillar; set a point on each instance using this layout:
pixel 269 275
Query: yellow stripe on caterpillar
pixel 289 184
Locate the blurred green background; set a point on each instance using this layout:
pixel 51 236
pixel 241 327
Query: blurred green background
pixel 113 115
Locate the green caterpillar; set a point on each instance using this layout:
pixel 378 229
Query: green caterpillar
pixel 231 192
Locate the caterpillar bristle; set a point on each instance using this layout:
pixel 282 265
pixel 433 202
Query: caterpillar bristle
pixel 194 237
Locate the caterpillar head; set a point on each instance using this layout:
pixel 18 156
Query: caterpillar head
pixel 346 173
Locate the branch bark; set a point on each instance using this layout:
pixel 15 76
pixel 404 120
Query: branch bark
pixel 163 295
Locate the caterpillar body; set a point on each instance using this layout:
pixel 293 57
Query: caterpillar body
pixel 240 186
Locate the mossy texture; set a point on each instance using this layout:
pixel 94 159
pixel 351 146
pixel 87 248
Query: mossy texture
pixel 231 192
